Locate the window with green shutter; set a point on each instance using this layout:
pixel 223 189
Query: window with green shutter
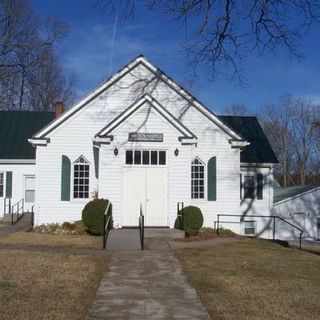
pixel 65 178
pixel 212 179
pixel 9 184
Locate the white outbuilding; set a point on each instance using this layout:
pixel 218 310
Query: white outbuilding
pixel 299 205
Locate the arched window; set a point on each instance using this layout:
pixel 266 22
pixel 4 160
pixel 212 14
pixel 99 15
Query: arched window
pixel 81 178
pixel 197 179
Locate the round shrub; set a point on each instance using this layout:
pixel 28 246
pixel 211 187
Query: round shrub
pixel 92 215
pixel 177 223
pixel 193 220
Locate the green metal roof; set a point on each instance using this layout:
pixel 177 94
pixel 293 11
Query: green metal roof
pixel 259 150
pixel 283 193
pixel 16 127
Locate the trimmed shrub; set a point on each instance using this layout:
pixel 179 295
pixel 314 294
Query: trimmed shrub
pixel 93 213
pixel 177 223
pixel 193 220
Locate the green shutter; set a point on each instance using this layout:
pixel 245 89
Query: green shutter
pixel 259 186
pixel 65 178
pixel 240 186
pixel 212 179
pixel 9 184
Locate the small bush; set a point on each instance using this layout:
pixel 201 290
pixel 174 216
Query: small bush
pixel 93 215
pixel 193 220
pixel 79 227
pixel 75 228
pixel 68 226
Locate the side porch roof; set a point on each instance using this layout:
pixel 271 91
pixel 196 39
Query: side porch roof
pixel 16 127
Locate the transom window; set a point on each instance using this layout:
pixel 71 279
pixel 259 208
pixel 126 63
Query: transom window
pixel 81 178
pixel 197 179
pixel 146 157
pixel 1 183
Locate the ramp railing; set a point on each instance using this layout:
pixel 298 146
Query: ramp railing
pixel 106 226
pixel 141 228
pixel 260 216
pixel 17 211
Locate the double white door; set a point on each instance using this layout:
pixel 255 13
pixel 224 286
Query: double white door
pixel 146 186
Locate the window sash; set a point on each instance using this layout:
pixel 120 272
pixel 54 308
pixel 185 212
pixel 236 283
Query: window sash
pixel 81 179
pixel 250 227
pixel 197 179
pixel 248 187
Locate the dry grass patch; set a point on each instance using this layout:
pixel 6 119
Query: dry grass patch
pixel 255 279
pixel 48 286
pixel 24 238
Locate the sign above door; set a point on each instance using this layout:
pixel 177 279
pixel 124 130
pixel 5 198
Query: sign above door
pixel 145 137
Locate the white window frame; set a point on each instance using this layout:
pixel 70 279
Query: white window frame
pixel 25 185
pixel 146 165
pixel 204 180
pixel 4 184
pixel 243 223
pixel 73 178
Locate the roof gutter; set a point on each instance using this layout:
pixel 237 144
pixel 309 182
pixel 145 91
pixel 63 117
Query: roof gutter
pixel 17 161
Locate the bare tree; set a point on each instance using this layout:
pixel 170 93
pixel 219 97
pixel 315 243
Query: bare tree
pixel 223 33
pixel 290 128
pixel 236 109
pixel 47 84
pixel 25 44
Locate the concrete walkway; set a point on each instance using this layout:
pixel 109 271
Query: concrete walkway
pixel 146 284
pixel 307 245
pixel 23 223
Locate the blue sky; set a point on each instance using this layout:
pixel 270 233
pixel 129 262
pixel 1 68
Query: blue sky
pixel 86 53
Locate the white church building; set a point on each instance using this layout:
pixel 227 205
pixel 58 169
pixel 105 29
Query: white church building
pixel 140 138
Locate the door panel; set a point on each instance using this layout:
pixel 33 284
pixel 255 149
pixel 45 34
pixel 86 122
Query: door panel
pixel 156 197
pixel 147 186
pixel 133 194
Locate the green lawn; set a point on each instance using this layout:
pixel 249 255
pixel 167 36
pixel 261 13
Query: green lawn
pixel 255 279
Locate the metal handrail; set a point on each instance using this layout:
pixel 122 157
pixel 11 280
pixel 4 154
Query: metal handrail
pixel 106 226
pixel 180 215
pixel 260 216
pixel 19 206
pixel 141 228
pixel 32 215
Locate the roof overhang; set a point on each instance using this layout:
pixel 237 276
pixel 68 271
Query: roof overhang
pixel 17 161
pixel 39 141
pixel 238 143
pixel 256 165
